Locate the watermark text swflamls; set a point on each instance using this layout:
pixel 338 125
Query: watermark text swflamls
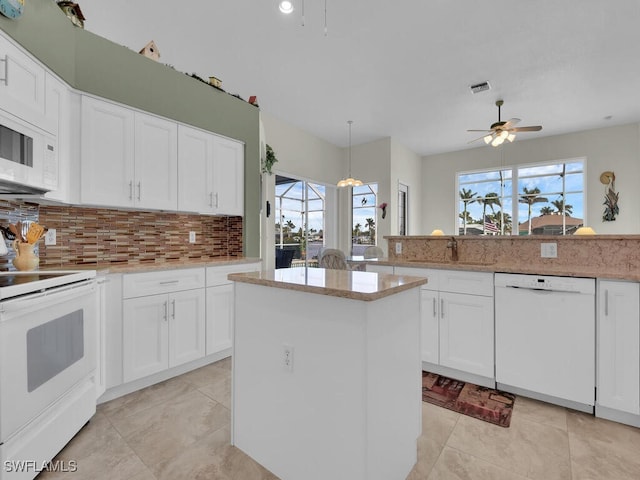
pixel 22 466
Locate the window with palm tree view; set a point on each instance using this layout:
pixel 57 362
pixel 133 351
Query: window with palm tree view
pixel 541 199
pixel 363 215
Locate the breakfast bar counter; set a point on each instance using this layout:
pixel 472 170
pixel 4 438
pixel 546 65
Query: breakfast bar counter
pixel 327 372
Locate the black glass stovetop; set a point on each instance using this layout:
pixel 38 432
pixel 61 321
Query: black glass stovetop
pixel 8 279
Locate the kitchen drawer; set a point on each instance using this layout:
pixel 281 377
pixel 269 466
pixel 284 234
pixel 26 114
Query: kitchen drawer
pixel 430 273
pixel 218 275
pixel 471 283
pixel 165 281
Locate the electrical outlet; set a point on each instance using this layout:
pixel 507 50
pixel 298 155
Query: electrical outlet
pixel 287 357
pixel 50 237
pixel 398 248
pixel 549 250
pixel 192 237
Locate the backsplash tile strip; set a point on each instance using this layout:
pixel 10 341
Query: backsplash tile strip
pixel 103 237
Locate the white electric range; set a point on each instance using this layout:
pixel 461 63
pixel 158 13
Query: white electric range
pixel 47 365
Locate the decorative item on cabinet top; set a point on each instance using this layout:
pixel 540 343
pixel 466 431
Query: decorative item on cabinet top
pixel 73 11
pixel 11 8
pixel 150 50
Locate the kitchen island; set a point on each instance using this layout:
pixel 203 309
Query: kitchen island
pixel 327 372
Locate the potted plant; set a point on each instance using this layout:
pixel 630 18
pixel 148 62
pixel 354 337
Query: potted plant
pixel 267 163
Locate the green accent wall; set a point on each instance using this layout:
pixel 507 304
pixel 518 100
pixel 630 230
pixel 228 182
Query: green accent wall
pixel 96 65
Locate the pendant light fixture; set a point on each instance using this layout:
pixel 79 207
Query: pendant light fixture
pixel 349 181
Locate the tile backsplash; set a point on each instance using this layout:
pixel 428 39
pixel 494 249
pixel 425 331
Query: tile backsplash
pixel 99 236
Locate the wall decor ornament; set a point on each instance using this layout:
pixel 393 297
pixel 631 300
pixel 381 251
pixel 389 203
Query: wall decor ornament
pixel 611 208
pixel 383 207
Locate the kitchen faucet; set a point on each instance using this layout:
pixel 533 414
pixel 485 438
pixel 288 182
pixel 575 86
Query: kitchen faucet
pixel 453 245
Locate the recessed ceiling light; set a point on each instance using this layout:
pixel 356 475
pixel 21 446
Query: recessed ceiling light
pixel 286 7
pixel 608 117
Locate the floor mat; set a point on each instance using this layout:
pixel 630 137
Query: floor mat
pixel 484 403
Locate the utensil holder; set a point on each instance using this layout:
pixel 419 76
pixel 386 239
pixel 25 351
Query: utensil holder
pixel 25 259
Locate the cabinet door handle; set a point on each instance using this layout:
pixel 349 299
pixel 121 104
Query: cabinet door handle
pixel 131 190
pixel 216 200
pixel 169 282
pixel 606 303
pixel 442 308
pixel 139 190
pixel 435 313
pixel 166 311
pixel 211 199
pixel 173 309
pixel 6 69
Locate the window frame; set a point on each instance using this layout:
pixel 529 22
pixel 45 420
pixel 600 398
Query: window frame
pixel 516 194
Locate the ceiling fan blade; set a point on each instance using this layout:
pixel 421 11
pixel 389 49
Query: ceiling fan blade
pixel 476 139
pixel 510 123
pixel 488 131
pixel 535 128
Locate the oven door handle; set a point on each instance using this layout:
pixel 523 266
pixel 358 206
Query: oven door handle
pixel 34 300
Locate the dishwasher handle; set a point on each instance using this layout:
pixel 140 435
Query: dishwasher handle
pixel 540 290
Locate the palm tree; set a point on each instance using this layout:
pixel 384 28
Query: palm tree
pixel 561 206
pixel 370 224
pixel 503 221
pixel 489 200
pixel 546 210
pixel 529 197
pixel 467 197
pixel 356 230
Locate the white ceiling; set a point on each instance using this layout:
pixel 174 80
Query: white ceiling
pixel 402 68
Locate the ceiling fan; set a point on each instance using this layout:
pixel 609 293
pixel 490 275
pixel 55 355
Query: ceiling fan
pixel 501 131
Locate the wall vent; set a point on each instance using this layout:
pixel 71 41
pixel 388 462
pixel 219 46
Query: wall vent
pixel 480 87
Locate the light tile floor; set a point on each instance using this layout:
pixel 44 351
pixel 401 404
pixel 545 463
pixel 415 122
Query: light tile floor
pixel 179 429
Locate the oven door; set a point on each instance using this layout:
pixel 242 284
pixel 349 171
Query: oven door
pixel 47 345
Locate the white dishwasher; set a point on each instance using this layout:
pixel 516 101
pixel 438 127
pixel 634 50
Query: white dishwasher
pixel 545 338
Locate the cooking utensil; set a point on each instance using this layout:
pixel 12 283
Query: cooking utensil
pixel 13 229
pixel 19 234
pixel 34 232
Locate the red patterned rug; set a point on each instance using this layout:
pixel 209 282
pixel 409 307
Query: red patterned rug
pixel 483 403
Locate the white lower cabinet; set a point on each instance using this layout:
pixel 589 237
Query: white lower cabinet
pixel 457 320
pixel 466 333
pixel 618 347
pixel 162 330
pixel 219 317
pixel 220 310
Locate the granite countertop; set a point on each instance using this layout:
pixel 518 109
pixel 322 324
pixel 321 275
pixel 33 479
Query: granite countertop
pixel 355 285
pixel 586 271
pixel 151 267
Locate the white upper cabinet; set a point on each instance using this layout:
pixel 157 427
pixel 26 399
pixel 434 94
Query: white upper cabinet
pixel 128 159
pixel 228 177
pixel 195 170
pixel 57 174
pixel 22 85
pixel 210 173
pixel 156 162
pixel 107 154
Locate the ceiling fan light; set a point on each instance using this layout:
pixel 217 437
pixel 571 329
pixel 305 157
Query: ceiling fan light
pixel 511 137
pixel 286 7
pixel 497 141
pixel 503 134
pixel 488 139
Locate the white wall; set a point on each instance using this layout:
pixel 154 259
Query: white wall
pixel 369 163
pixel 615 148
pixel 406 167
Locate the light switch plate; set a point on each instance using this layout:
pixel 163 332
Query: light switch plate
pixel 192 237
pixel 398 248
pixel 549 250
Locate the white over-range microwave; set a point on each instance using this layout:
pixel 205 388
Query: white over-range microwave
pixel 28 157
